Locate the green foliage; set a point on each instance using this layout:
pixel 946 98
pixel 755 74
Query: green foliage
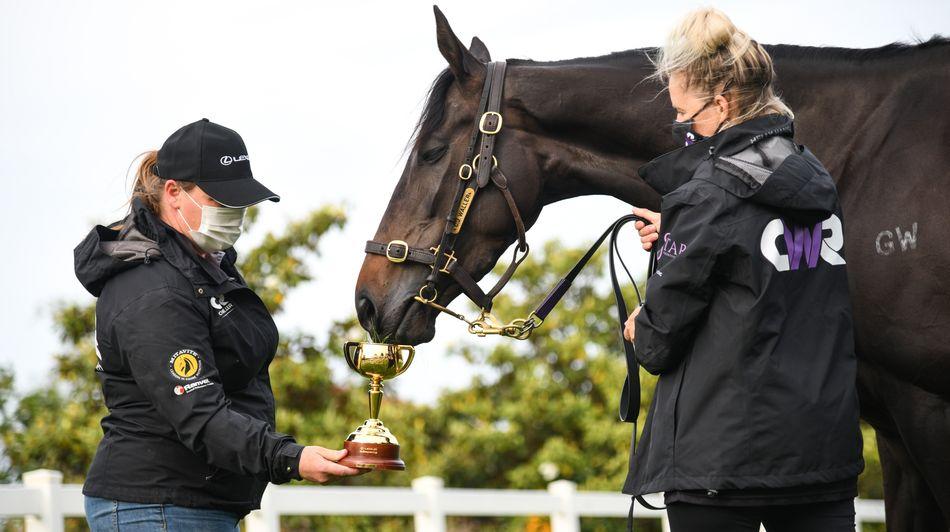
pixel 57 426
pixel 277 265
pixel 548 410
pixel 541 409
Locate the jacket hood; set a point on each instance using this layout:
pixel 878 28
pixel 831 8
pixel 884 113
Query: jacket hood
pixel 139 238
pixel 761 162
pixel 783 176
pixel 110 250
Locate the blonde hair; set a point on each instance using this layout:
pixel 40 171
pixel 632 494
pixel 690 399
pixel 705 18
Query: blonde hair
pixel 715 56
pixel 148 186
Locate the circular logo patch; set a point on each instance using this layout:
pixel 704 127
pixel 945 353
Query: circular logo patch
pixel 185 364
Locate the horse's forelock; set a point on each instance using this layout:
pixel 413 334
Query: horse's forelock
pixel 434 110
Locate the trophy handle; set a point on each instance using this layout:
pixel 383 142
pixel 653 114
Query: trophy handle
pixel 410 354
pixel 349 353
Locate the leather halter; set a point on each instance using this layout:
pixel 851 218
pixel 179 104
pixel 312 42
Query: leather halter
pixel 441 259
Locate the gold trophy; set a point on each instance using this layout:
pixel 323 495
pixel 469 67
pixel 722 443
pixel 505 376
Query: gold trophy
pixel 371 445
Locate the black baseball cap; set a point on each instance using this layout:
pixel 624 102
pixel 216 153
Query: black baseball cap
pixel 215 158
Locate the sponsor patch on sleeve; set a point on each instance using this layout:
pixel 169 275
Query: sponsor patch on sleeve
pixel 185 365
pixel 182 389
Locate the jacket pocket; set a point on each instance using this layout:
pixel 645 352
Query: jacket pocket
pixel 681 375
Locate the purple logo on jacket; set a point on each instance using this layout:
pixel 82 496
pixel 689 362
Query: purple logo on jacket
pixel 804 245
pixel 670 247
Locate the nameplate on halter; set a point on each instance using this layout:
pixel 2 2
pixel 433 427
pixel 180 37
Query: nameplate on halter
pixel 464 204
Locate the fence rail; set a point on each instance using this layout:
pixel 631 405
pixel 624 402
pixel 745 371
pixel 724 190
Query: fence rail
pixel 44 501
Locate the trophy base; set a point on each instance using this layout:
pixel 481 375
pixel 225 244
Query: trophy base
pixel 372 456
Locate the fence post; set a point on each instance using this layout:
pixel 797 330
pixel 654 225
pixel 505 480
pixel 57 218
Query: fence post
pixel 48 483
pixel 565 518
pixel 265 519
pixel 432 519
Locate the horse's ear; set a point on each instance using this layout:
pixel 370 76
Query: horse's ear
pixel 461 61
pixel 479 50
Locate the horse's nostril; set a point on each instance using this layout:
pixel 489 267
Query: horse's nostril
pixel 366 312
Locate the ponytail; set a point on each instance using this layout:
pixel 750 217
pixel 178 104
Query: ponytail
pixel 148 186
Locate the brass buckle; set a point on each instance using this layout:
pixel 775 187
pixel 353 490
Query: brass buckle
pixel 389 254
pixel 481 123
pixel 467 176
pixel 494 161
pixel 444 268
pixel 450 259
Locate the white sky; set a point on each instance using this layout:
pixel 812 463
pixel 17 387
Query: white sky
pixel 325 97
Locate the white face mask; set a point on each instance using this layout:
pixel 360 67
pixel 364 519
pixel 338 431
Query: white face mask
pixel 220 226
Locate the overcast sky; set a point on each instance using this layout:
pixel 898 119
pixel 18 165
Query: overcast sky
pixel 325 97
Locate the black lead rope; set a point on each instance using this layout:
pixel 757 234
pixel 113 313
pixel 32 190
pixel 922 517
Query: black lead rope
pixel 630 396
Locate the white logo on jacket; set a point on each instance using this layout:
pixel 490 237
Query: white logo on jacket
pixel 188 388
pixel 223 306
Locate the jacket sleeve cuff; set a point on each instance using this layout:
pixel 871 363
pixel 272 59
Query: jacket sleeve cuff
pixel 651 354
pixel 287 463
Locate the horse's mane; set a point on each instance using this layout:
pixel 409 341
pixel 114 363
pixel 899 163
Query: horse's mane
pixel 434 107
pixel 624 55
pixel 856 54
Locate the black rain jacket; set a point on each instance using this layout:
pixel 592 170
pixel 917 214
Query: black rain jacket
pixel 183 346
pixel 747 320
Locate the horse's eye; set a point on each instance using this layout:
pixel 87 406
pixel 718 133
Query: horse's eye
pixel 432 155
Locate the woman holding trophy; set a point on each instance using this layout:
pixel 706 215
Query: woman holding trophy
pixel 183 350
pixel 747 319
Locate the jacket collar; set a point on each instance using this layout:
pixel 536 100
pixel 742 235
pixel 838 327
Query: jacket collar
pixel 669 171
pixel 179 250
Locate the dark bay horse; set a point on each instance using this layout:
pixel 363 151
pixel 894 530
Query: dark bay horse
pixel 878 118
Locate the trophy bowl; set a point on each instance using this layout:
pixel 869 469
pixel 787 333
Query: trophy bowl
pixel 372 445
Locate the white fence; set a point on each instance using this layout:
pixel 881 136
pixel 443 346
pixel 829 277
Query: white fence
pixel 44 501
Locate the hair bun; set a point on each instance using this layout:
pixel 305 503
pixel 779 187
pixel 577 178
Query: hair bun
pixel 711 53
pixel 708 30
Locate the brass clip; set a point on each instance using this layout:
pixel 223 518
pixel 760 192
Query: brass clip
pixel 519 329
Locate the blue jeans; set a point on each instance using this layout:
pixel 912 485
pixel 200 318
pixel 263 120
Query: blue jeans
pixel 106 515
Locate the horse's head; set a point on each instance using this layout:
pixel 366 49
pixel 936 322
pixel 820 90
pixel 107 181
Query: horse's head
pixel 565 132
pixel 424 195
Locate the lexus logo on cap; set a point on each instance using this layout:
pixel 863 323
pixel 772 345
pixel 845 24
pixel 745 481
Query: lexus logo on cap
pixel 228 159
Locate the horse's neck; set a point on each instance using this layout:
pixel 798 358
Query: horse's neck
pixel 596 123
pixel 599 121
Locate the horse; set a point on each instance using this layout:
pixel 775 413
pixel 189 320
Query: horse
pixel 878 119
